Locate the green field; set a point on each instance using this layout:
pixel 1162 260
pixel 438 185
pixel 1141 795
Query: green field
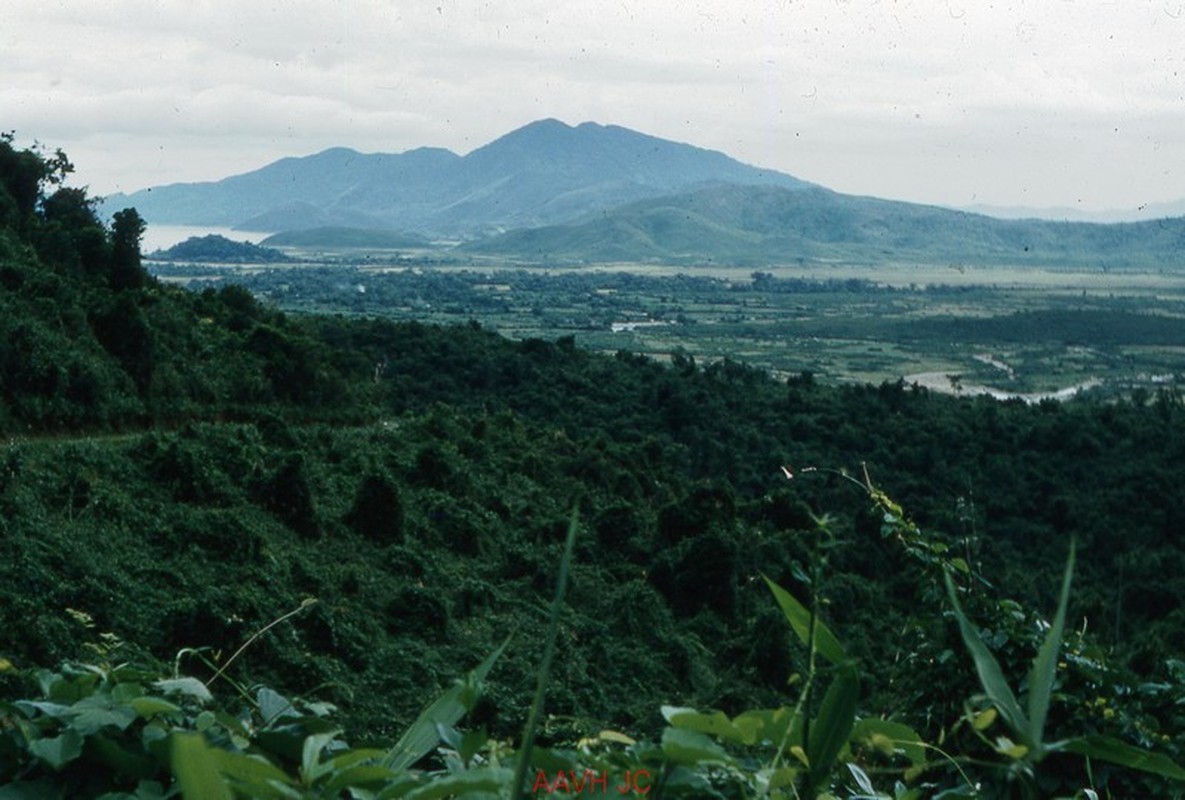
pixel 1015 331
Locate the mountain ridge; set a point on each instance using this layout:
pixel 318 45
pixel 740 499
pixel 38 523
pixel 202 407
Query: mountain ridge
pixel 748 225
pixel 594 193
pixel 541 173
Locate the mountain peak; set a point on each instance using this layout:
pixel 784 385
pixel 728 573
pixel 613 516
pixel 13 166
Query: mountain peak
pixel 544 172
pixel 547 123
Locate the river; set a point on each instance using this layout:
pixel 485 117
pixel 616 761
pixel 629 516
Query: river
pixel 941 382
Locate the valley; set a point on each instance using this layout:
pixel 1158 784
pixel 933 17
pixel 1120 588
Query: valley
pixel 363 470
pixel 1109 333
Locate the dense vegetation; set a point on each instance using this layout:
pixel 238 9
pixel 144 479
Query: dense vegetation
pixel 220 250
pixel 1116 334
pixel 182 468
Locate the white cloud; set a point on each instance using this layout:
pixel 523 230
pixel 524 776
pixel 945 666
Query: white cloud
pixel 934 100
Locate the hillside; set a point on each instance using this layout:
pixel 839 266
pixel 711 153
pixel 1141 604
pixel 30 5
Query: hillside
pixel 544 172
pixel 180 470
pixel 753 226
pixel 594 194
pixel 215 249
pixel 346 238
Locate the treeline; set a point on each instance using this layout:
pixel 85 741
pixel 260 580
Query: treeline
pixel 418 481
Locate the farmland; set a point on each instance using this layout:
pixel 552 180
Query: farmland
pixel 1018 331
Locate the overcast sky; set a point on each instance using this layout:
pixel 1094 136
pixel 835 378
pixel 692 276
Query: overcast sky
pixel 1071 103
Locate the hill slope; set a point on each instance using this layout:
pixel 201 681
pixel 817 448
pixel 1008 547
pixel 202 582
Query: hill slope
pixel 417 481
pixel 749 225
pixel 544 172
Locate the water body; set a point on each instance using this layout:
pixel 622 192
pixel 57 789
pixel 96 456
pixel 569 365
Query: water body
pixel 162 237
pixel 941 382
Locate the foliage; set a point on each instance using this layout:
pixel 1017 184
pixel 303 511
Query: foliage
pixel 219 250
pixel 1022 332
pixel 123 732
pixel 182 464
pixel 118 731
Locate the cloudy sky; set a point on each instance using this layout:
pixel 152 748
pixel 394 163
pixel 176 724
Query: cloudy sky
pixel 1045 103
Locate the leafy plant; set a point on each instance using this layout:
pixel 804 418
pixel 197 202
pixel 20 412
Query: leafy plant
pixel 1032 747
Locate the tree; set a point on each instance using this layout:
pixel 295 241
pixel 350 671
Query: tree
pixel 21 174
pixel 71 234
pixel 127 229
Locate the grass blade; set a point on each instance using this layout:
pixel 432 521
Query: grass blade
pixel 553 629
pixel 447 710
pixel 799 618
pixel 833 727
pixel 1045 664
pixel 991 677
pixel 1104 748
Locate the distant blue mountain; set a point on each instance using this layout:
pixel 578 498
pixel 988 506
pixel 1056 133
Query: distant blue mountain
pixel 763 225
pixel 544 173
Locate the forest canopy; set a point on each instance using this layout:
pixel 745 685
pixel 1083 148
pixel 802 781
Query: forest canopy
pixel 182 468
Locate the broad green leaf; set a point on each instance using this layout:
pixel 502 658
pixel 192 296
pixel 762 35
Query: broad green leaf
pixel 617 737
pixel 274 706
pixel 196 767
pixel 471 744
pixel 764 725
pixel 489 781
pixel 1115 751
pixel 355 777
pixel 904 739
pixel 984 719
pixel 716 724
pixel 126 692
pixel 260 777
pixel 552 760
pixel 800 620
pixel 186 687
pixel 401 786
pixel 353 757
pixel 991 677
pixel 779 778
pixel 833 727
pixel 117 758
pixel 691 748
pixel 1044 669
pixel 58 751
pixel 311 767
pixel 448 709
pixel 96 712
pixel 1007 747
pixel 146 707
pixel 149 790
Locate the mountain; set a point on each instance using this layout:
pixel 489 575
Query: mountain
pixel 1147 211
pixel 543 173
pixel 598 193
pixel 215 249
pixel 309 191
pixel 333 237
pixel 745 225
